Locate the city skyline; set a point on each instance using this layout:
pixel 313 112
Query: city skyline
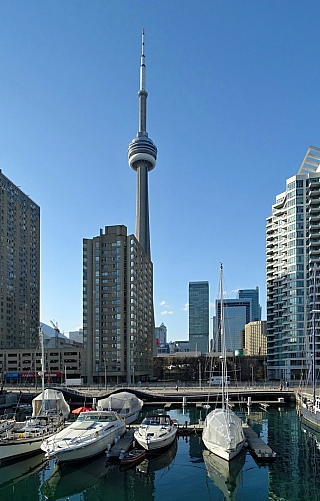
pixel 233 110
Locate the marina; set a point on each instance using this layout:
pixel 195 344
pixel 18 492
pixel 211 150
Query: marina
pixel 184 471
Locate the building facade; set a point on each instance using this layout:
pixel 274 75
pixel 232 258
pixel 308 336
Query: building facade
pixel 252 294
pixel 24 366
pixel 256 338
pixel 199 317
pixel 292 249
pixel 19 268
pixel 161 334
pixel 118 324
pixel 237 313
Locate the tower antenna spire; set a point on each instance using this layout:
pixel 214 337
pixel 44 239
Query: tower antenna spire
pixel 143 92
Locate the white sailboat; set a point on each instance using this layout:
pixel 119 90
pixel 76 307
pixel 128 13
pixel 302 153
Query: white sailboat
pixel 222 430
pixel 310 408
pixel 49 410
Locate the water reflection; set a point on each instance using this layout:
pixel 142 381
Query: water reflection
pixel 69 479
pixel 158 461
pixel 21 480
pixel 183 472
pixel 226 475
pixel 105 479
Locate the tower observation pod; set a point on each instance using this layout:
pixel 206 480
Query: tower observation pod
pixel 142 156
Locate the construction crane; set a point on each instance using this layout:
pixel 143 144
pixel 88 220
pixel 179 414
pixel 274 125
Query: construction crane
pixel 57 332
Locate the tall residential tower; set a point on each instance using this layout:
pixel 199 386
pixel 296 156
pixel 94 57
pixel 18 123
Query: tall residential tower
pixel 292 249
pixel 19 268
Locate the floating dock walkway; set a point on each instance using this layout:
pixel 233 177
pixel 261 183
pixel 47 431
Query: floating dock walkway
pixel 123 444
pixel 258 448
pixel 256 445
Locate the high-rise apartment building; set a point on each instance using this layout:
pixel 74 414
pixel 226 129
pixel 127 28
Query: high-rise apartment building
pixel 19 268
pixel 292 248
pixel 256 338
pixel 199 317
pixel 252 294
pixel 118 322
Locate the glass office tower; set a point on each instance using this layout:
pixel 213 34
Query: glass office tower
pixel 199 317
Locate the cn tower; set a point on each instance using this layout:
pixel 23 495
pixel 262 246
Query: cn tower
pixel 142 156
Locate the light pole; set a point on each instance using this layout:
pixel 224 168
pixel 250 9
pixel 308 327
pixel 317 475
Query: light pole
pixel 252 367
pixel 105 373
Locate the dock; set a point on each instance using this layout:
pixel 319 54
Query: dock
pixel 256 445
pixel 123 444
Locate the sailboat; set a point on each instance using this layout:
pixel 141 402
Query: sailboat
pixel 310 409
pixel 49 411
pixel 222 430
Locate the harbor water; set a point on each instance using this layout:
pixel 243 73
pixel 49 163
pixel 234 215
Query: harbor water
pixel 186 471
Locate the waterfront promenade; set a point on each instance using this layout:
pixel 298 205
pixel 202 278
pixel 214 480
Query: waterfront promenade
pixel 263 393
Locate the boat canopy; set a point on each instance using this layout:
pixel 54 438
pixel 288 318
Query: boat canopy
pixel 53 400
pixel 223 428
pixel 123 403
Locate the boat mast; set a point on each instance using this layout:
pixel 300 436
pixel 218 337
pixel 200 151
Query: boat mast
pixel 314 336
pixel 223 342
pixel 42 368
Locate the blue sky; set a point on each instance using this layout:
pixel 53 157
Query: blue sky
pixel 233 106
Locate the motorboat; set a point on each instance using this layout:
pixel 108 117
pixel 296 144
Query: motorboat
pixel 91 434
pixel 25 437
pixel 126 404
pixel 156 432
pixel 222 429
pixel 132 458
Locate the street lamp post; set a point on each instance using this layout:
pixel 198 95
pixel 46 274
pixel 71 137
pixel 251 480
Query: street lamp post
pixel 252 367
pixel 105 373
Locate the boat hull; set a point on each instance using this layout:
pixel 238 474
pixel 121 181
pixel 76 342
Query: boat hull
pixel 311 417
pixel 90 435
pixel 132 418
pixel 132 458
pixel 86 451
pixel 19 448
pixel 155 444
pixel 223 433
pixel 221 452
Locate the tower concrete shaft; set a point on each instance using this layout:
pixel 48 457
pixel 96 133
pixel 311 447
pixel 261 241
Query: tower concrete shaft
pixel 142 156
